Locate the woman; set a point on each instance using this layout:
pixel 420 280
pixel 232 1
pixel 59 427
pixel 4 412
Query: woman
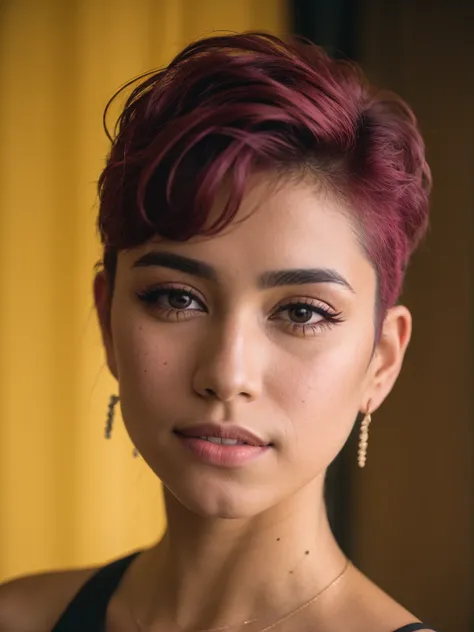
pixel 258 210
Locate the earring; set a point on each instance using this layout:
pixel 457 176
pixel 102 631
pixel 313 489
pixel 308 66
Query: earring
pixel 364 439
pixel 113 401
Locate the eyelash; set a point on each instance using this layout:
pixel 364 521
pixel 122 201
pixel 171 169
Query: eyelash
pixel 330 318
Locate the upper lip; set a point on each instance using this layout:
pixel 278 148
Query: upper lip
pixel 228 431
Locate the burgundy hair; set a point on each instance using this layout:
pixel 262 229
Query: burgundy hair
pixel 228 105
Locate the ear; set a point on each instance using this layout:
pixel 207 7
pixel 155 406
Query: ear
pixel 388 356
pixel 103 303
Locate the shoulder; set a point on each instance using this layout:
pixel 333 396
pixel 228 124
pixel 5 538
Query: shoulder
pixel 369 608
pixel 35 602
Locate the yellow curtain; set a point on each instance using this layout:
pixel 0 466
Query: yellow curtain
pixel 68 497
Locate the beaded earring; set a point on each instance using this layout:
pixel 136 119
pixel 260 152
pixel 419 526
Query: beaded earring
pixel 364 439
pixel 113 401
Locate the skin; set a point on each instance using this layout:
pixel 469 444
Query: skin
pixel 251 541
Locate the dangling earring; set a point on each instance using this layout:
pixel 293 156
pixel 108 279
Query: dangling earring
pixel 364 438
pixel 113 401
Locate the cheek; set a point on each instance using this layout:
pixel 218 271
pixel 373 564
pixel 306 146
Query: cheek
pixel 322 399
pixel 151 367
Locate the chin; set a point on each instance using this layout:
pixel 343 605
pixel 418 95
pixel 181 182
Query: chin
pixel 227 500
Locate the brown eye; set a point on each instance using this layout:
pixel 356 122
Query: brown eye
pixel 179 300
pixel 306 317
pixel 172 300
pixel 301 314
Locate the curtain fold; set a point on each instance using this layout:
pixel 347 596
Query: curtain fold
pixel 68 497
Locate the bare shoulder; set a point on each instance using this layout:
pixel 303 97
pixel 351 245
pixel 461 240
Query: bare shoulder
pixel 34 603
pixel 371 609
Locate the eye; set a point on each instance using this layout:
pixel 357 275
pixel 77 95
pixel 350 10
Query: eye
pixel 307 316
pixel 172 301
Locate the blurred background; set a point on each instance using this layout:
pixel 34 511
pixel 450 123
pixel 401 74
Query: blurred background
pixel 68 497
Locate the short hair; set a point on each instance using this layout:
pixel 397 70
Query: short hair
pixel 227 106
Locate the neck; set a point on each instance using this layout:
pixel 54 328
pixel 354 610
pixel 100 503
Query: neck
pixel 206 573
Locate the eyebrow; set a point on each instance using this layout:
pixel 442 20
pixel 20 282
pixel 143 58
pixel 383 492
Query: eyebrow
pixel 267 280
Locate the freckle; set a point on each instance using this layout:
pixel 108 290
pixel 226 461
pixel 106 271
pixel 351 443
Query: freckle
pixel 278 539
pixel 291 572
pixel 307 552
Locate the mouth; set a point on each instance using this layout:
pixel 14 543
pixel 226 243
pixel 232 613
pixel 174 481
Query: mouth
pixel 223 434
pixel 222 445
pixel 219 440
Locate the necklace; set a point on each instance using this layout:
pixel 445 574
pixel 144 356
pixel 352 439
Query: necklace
pixel 281 619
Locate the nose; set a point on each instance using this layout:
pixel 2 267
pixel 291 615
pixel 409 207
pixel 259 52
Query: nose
pixel 229 363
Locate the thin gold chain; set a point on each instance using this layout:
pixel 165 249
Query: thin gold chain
pixel 281 619
pixel 312 600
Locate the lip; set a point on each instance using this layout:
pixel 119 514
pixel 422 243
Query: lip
pixel 227 431
pixel 219 454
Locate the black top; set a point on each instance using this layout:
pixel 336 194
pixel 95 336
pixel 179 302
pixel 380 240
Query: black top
pixel 87 610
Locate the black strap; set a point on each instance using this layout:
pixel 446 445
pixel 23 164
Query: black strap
pixel 88 608
pixel 413 627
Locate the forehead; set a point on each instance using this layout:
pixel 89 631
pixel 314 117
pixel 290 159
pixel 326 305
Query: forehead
pixel 280 224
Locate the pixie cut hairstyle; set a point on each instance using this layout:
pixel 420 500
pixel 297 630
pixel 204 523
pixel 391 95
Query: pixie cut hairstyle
pixel 229 106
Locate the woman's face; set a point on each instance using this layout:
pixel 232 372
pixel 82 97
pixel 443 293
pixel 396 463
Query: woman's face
pixel 273 330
